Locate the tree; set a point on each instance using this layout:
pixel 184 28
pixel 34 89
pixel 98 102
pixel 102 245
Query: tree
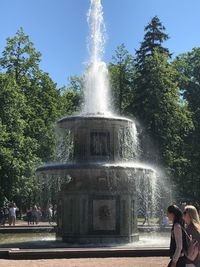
pixel 21 61
pixel 20 57
pixel 158 106
pixel 72 96
pixel 16 153
pixel 121 76
pixel 188 66
pixel 146 100
pixel 153 39
pixel 165 118
pixel 30 115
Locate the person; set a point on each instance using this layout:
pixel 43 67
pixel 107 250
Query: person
pixel 178 237
pixel 2 217
pixel 29 215
pixel 164 222
pixel 6 213
pixel 191 218
pixel 35 215
pixel 146 217
pixel 12 214
pixel 39 213
pixel 50 213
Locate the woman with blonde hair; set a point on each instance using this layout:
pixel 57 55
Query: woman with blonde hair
pixel 191 218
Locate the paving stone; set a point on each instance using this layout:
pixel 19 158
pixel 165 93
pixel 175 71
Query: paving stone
pixel 93 262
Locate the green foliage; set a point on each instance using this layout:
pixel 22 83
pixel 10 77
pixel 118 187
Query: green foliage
pixel 165 118
pixel 30 105
pixel 16 157
pixel 158 106
pixel 163 96
pixel 153 39
pixel 44 106
pixel 73 96
pixel 121 77
pixel 188 66
pixel 20 57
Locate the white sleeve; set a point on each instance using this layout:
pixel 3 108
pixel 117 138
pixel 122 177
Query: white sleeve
pixel 179 242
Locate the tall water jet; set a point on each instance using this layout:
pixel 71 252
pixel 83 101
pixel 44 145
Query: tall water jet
pixel 98 174
pixel 96 89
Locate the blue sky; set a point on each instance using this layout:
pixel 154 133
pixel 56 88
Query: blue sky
pixel 58 28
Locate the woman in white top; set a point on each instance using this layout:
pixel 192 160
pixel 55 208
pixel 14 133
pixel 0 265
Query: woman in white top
pixel 178 237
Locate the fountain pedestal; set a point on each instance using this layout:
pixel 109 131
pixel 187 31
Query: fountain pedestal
pixel 97 200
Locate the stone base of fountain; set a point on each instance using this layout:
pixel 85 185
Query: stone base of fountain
pixel 103 240
pixel 97 206
pixel 97 199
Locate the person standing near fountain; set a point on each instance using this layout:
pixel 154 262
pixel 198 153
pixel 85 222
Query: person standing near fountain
pixel 191 218
pixel 178 237
pixel 12 214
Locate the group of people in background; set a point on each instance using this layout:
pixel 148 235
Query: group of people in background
pixel 33 215
pixel 185 236
pixel 8 214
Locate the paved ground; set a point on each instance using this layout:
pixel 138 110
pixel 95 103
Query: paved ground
pixel 108 262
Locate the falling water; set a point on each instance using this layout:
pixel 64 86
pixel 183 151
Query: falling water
pixel 64 145
pixel 96 77
pixel 129 145
pixel 148 193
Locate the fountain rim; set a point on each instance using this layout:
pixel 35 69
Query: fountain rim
pixel 89 117
pixel 92 165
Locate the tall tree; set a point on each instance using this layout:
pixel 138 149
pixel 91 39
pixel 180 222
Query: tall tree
pixel 33 120
pixel 146 100
pixel 20 57
pixel 21 61
pixel 157 104
pixel 153 39
pixel 188 66
pixel 16 153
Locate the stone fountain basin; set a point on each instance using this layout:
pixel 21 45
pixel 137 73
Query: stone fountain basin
pixel 64 167
pixel 116 177
pixel 72 121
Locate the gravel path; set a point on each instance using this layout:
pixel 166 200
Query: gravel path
pixel 102 262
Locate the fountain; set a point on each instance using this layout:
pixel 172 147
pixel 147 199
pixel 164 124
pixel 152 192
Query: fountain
pixel 98 160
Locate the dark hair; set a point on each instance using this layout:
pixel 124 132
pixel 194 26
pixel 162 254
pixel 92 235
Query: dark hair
pixel 177 214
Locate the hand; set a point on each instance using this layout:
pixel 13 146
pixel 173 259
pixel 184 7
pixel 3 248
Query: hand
pixel 173 264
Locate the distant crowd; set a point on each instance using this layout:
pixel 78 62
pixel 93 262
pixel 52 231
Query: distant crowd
pixel 33 216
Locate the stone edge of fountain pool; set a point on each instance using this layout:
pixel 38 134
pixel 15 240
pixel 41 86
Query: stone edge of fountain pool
pixel 10 253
